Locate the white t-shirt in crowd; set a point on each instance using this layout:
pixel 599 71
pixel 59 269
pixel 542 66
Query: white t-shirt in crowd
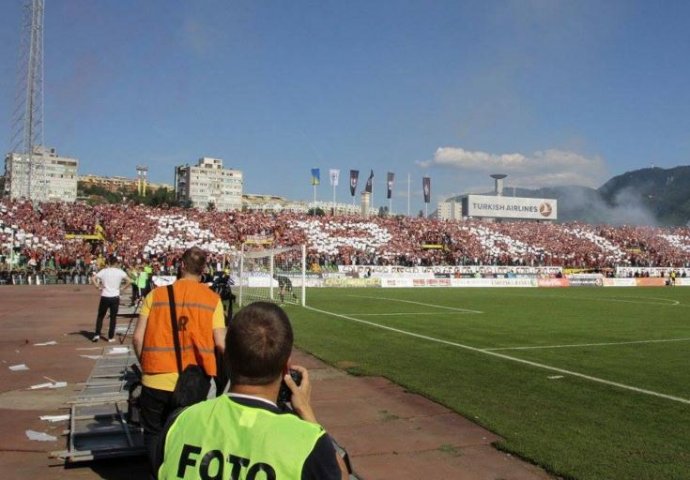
pixel 111 278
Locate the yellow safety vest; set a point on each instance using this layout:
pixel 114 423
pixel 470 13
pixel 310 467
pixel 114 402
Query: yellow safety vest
pixel 223 439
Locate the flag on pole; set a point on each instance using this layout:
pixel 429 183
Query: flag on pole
pixel 354 176
pixel 389 184
pixel 370 181
pixel 315 176
pixel 426 186
pixel 334 174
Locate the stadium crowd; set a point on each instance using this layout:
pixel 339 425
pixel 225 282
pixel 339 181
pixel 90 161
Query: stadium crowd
pixel 35 237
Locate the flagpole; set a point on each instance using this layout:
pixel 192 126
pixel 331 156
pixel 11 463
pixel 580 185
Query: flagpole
pixel 408 194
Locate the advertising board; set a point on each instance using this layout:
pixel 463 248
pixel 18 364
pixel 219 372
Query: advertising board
pixel 619 282
pixel 509 207
pixel 260 281
pixel 445 270
pixel 586 280
pixel 399 282
pixel 431 282
pixel 552 282
pixel 403 282
pixel 650 282
pixel 638 272
pixel 351 282
pixel 514 282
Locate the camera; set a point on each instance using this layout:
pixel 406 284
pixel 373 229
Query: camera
pixel 221 284
pixel 285 394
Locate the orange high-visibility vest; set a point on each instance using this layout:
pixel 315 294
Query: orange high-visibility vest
pixel 195 304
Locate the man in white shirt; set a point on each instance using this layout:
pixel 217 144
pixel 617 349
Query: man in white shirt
pixel 109 281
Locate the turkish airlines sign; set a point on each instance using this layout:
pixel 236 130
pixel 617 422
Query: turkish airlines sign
pixel 510 207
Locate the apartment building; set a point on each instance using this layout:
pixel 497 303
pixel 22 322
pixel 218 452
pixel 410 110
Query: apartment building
pixel 43 176
pixel 208 185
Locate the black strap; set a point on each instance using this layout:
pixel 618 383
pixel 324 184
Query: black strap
pixel 176 334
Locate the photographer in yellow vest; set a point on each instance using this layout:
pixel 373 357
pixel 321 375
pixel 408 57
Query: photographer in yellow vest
pixel 244 435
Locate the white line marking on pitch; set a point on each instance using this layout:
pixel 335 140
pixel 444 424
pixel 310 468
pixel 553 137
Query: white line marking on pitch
pixel 575 345
pixel 671 301
pixel 404 313
pixel 507 357
pixel 666 302
pixel 456 309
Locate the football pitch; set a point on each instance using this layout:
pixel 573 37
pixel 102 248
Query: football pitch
pixel 587 383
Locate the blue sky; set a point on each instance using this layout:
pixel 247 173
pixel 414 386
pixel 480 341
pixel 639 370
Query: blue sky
pixel 549 92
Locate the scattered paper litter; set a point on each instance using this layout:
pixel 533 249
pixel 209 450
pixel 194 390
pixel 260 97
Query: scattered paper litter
pixel 40 436
pixel 48 385
pixel 45 344
pixel 18 368
pixel 55 418
pixel 40 385
pixel 92 357
pixel 555 377
pixel 117 350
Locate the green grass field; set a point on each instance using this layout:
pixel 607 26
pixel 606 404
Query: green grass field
pixel 588 383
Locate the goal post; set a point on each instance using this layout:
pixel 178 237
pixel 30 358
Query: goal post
pixel 274 275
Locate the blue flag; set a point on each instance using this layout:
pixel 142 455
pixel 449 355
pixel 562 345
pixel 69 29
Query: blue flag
pixel 315 176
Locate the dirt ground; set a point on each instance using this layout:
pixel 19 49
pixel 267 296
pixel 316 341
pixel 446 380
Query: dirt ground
pixel 388 432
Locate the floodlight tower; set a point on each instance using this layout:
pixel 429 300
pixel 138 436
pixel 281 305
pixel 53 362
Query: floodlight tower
pixel 498 178
pixel 142 173
pixel 27 118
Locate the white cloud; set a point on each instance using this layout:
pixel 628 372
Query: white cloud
pixel 541 169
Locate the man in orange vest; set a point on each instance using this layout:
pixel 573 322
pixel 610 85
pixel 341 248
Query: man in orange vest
pixel 201 325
